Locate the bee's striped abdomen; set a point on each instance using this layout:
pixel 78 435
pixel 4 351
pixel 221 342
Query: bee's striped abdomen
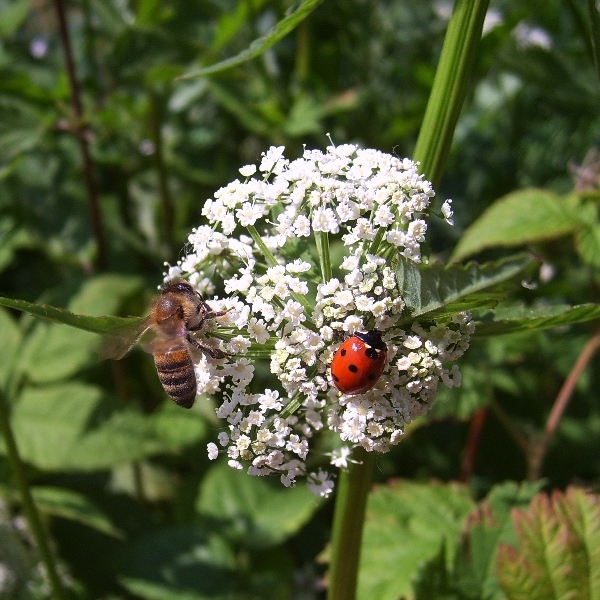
pixel 176 373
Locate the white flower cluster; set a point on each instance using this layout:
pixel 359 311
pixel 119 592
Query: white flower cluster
pixel 270 247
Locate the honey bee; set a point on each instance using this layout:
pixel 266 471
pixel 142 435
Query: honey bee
pixel 177 313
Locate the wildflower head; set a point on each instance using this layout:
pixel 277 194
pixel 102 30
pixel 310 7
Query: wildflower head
pixel 303 255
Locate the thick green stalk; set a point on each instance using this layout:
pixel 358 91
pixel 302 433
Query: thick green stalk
pixel 449 87
pixel 322 240
pixel 29 507
pixel 351 500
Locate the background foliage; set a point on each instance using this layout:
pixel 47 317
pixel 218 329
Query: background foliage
pixel 120 471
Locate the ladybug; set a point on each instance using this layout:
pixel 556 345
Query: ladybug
pixel 359 362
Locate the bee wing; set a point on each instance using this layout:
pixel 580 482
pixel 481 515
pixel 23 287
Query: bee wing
pixel 118 342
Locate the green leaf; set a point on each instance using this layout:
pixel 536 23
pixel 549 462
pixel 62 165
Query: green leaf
pixel 75 427
pixel 103 294
pixel 13 15
pixel 53 352
pixel 557 554
pixel 444 290
pixel 65 503
pixel 10 334
pixel 407 524
pixel 587 242
pixel 60 315
pixel 260 45
pixel 488 525
pixel 520 218
pixel 177 428
pixel 231 22
pixel 517 318
pixel 251 510
pixel 179 563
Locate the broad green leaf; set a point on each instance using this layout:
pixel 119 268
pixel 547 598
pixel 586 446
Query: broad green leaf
pixel 177 428
pixel 433 579
pixel 179 563
pixel 557 552
pixel 53 352
pixel 13 15
pixel 580 510
pixel 488 525
pixel 65 503
pixel 443 290
pixel 75 427
pixel 406 525
pixel 587 242
pixel 60 315
pixel 520 218
pixel 103 294
pixel 251 510
pixel 10 335
pixel 519 318
pixel 257 47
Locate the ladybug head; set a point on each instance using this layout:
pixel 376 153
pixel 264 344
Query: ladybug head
pixel 372 338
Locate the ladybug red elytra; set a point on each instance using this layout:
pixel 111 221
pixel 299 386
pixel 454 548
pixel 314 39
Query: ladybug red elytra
pixel 359 362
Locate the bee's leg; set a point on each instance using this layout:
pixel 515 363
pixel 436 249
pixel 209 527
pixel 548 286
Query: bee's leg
pixel 210 314
pixel 208 350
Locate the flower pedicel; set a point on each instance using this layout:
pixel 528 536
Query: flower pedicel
pixel 305 253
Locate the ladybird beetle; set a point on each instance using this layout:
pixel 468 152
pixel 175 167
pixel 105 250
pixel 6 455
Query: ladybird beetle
pixel 359 362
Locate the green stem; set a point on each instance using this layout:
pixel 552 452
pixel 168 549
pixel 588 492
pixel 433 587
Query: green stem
pixel 322 240
pixel 594 34
pixel 351 501
pixel 168 206
pixel 272 262
pixel 449 87
pixel 29 507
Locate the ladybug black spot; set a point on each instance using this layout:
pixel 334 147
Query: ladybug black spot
pixel 353 368
pixel 371 353
pixel 372 376
pixel 342 352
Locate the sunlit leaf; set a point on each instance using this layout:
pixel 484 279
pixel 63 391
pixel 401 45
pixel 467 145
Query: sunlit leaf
pixel 252 510
pixel 10 335
pixel 73 426
pixel 407 523
pixel 257 47
pixel 60 315
pixel 443 290
pixel 517 318
pixel 520 218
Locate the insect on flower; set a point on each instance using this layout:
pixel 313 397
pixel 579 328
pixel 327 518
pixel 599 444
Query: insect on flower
pixel 359 362
pixel 177 314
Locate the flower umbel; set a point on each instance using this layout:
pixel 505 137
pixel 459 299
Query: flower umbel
pixel 269 248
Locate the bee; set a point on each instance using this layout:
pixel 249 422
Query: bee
pixel 177 313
